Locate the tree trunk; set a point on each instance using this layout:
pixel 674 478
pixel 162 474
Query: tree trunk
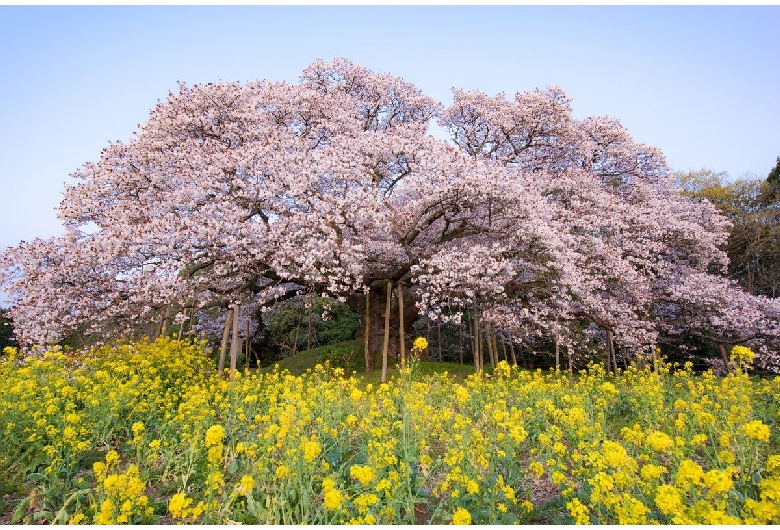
pixel 376 328
pixel 571 361
pixel 477 343
pixel 235 342
pixel 225 335
pixel 181 326
pixel 724 354
pixel 494 337
pixel 491 351
pixel 246 341
pixel 614 358
pixel 401 335
pixel 460 337
pixel 611 352
pixel 557 356
pixel 386 343
pixel 192 318
pixel 438 339
pixel 298 328
pixel 512 350
pixel 308 328
pixel 367 336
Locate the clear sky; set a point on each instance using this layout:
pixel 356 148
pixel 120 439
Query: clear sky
pixel 701 83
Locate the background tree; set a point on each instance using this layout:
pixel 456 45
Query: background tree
pixel 753 246
pixel 6 330
pixel 774 175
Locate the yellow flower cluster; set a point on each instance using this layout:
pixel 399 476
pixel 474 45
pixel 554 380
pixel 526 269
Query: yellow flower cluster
pixel 323 448
pixel 122 494
pixel 420 343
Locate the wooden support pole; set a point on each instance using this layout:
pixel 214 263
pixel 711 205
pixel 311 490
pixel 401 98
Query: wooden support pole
pixel 386 342
pixel 367 335
pixel 225 336
pixel 401 337
pixel 235 343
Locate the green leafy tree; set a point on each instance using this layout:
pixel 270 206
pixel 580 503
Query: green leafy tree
pixel 307 322
pixel 6 330
pixel 774 175
pixel 754 243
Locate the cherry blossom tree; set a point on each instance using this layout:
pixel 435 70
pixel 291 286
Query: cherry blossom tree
pixel 241 195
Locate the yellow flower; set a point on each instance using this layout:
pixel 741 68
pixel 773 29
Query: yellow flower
pixel 757 430
pixel 579 511
pixel 689 473
pixel 364 474
pixel 214 435
pixel 311 450
pixel 461 394
pixel 112 458
pixel 137 428
pixel 718 480
pixel 282 471
pixel 743 354
pixel 558 478
pixel 651 472
pixel 246 485
pixel 536 468
pixel 668 499
pixel 99 468
pixel 765 512
pixel 106 513
pixel 333 499
pixel 630 510
pixel 602 484
pixel 178 504
pixel 659 441
pixel 727 456
pixel 383 485
pixel 461 516
pixel 614 453
pixel 364 501
pixel 328 484
pixel 608 389
pixel 420 343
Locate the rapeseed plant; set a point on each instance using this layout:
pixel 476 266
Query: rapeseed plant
pixel 135 432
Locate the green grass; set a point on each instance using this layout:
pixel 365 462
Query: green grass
pixel 299 363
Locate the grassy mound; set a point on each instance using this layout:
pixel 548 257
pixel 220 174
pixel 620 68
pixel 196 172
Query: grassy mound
pixel 349 356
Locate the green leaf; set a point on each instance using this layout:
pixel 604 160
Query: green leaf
pixel 20 510
pixel 251 506
pixel 43 514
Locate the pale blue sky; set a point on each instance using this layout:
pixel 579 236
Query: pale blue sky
pixel 701 83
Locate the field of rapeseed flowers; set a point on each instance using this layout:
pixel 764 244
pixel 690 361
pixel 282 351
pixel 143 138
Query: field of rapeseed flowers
pixel 148 432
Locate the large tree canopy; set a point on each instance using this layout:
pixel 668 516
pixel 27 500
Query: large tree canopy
pixel 259 191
